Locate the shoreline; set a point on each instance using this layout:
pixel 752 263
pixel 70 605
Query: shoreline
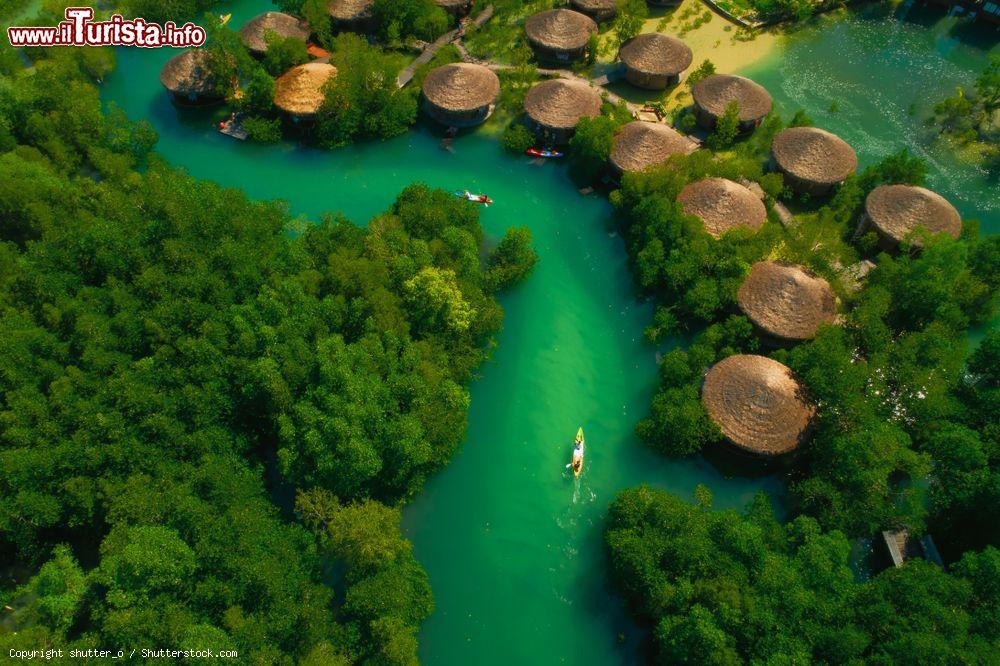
pixel 729 48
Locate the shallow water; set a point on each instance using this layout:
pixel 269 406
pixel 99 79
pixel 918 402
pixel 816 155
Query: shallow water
pixel 511 542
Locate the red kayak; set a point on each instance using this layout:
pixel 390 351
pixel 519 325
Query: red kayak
pixel 542 152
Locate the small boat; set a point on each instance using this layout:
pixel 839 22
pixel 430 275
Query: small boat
pixel 543 152
pixel 577 463
pixel 476 198
pixel 224 19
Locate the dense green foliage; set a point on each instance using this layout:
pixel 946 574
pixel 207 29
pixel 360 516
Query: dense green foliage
pixel 517 138
pixel 165 10
pixel 399 19
pixel 719 587
pixel 972 119
pixel 176 364
pixel 362 102
pixel 897 358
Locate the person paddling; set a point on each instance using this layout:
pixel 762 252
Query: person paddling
pixel 577 462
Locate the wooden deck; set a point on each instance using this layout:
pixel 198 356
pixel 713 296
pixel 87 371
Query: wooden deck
pixel 447 38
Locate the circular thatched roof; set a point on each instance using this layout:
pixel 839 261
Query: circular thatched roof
pixel 786 301
pixel 714 94
pixel 656 54
pixel 187 73
pixel 350 10
pixel 722 204
pixel 591 7
pixel 461 86
pixel 896 210
pixel 299 91
pixel 757 404
pixel 560 103
pixel 559 29
pixel 285 25
pixel 640 145
pixel 814 155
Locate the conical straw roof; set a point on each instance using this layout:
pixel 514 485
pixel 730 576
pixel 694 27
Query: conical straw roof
pixel 299 91
pixel 716 92
pixel 560 29
pixel 722 204
pixel 285 25
pixel 814 155
pixel 640 145
pixel 350 10
pixel 757 403
pixel 187 73
pixel 560 103
pixel 461 86
pixel 786 301
pixel 896 210
pixel 656 54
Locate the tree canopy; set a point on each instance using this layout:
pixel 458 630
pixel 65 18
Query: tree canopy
pixel 178 363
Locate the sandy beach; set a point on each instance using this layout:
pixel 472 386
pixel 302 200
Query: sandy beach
pixel 716 40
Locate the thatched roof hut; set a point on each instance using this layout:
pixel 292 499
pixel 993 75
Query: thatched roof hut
pixel 896 210
pixel 813 160
pixel 189 80
pixel 559 34
pixel 554 107
pixel 455 7
pixel 786 302
pixel 460 94
pixel 654 60
pixel 722 204
pixel 640 145
pixel 284 25
pixel 356 15
pixel 714 93
pixel 599 10
pixel 299 91
pixel 757 403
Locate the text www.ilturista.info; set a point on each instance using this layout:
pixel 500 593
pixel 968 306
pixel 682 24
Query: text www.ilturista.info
pixel 80 30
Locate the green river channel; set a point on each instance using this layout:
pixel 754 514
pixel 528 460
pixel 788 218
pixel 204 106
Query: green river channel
pixel 512 544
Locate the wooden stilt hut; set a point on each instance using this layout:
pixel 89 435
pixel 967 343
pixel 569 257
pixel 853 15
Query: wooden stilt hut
pixel 559 35
pixel 722 205
pixel 714 93
pixel 254 31
pixel 554 108
pixel 352 15
pixel 460 94
pixel 655 61
pixel 599 10
pixel 758 404
pixel 896 211
pixel 299 91
pixel 457 8
pixel 787 303
pixel 640 145
pixel 813 160
pixel 189 80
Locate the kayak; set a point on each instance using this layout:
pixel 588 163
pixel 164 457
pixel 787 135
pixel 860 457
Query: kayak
pixel 476 198
pixel 578 465
pixel 224 19
pixel 538 152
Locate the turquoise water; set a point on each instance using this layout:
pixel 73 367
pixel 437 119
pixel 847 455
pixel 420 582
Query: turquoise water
pixel 884 70
pixel 510 541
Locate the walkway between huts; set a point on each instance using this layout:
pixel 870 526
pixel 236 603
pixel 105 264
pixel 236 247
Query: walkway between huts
pixel 431 49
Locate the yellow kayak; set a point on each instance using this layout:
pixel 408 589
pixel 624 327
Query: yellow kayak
pixel 224 19
pixel 578 462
